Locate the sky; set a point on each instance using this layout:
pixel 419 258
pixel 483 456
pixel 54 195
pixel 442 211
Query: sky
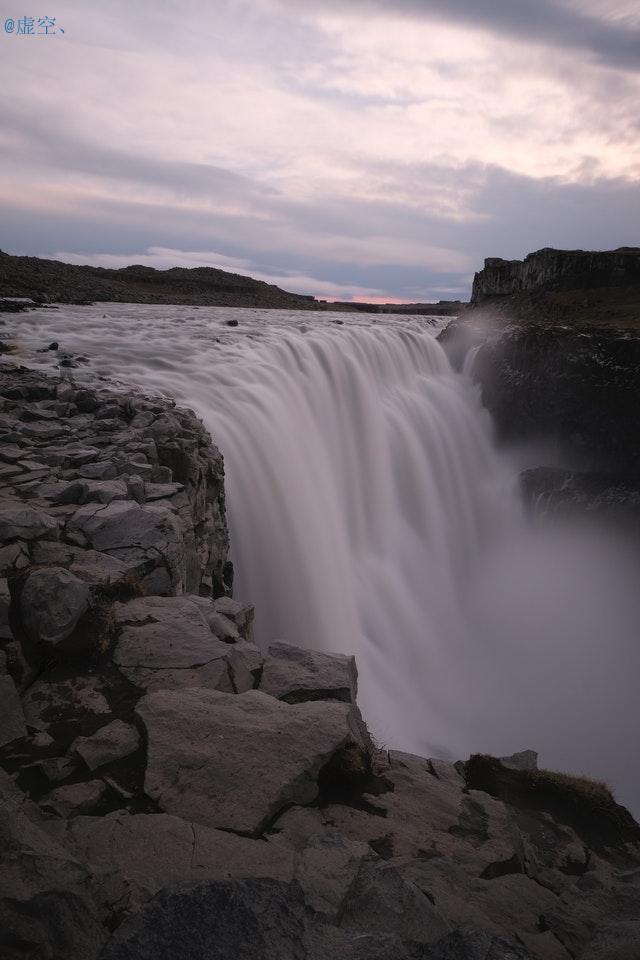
pixel 350 149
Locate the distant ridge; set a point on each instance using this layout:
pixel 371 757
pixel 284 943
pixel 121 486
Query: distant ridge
pixel 51 281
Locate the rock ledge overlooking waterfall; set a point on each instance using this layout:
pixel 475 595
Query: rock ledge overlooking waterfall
pixel 170 790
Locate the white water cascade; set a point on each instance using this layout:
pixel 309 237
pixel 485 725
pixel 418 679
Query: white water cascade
pixel 371 514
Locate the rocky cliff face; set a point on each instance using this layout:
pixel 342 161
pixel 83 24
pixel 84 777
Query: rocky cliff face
pixel 578 389
pixel 550 269
pixel 168 790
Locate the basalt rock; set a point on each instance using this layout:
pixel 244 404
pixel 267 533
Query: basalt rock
pixel 169 789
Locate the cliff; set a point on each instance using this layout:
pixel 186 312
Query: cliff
pixel 168 790
pixel 556 341
pixel 51 281
pixel 582 288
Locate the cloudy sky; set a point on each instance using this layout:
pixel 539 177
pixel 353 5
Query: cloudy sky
pixel 345 148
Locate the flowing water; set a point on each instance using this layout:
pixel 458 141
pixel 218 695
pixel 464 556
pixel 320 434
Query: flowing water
pixel 370 513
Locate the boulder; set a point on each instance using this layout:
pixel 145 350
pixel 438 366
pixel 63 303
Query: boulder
pixel 235 762
pixel 45 911
pixel 295 674
pixel 165 643
pixel 75 798
pixel 5 603
pixel 19 522
pixel 112 742
pixel 123 524
pixel 246 919
pixel 12 725
pixel 134 857
pixel 51 604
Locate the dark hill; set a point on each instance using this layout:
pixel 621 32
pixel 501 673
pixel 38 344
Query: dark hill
pixel 51 281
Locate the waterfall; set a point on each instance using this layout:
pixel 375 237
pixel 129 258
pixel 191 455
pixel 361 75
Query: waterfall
pixel 371 513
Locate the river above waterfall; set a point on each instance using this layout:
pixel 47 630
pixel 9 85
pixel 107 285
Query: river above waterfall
pixel 371 514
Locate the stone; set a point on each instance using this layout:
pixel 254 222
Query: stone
pixel 75 798
pixel 45 911
pixel 165 643
pixel 15 556
pixel 12 724
pixel 249 919
pixel 294 674
pixel 136 488
pixel 57 768
pixel 525 760
pixel 242 614
pixel 245 664
pixel 135 856
pixel 5 603
pixel 19 522
pixel 207 750
pixel 112 742
pixel 100 470
pixel 51 604
pixel 53 701
pixel 123 524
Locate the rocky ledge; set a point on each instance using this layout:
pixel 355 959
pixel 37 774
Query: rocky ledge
pixel 170 790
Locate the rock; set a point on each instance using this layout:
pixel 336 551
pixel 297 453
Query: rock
pixel 294 674
pixel 123 523
pixel 75 798
pixel 165 643
pixel 207 750
pixel 244 919
pixel 52 602
pixel 113 742
pixel 12 725
pixel 52 701
pixel 135 857
pixel 18 522
pixel 101 470
pixel 57 768
pixel 45 912
pixel 136 488
pixel 241 613
pixel 245 664
pixel 5 603
pixel 525 760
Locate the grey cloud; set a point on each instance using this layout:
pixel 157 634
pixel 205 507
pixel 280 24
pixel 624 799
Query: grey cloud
pixel 615 43
pixel 516 214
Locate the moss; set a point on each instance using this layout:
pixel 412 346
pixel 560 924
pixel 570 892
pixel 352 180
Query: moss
pixel 586 805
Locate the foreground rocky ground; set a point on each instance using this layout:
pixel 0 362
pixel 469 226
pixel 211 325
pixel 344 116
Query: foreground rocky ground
pixel 169 790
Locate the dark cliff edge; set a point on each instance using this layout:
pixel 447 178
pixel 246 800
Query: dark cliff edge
pixel 557 356
pixel 170 791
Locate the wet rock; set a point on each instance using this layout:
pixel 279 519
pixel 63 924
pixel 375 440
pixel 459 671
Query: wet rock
pixel 52 602
pixel 206 753
pixel 112 742
pixel 294 674
pixel 12 724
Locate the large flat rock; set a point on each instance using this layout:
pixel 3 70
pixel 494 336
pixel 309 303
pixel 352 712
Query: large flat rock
pixel 134 857
pixel 235 761
pixel 166 643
